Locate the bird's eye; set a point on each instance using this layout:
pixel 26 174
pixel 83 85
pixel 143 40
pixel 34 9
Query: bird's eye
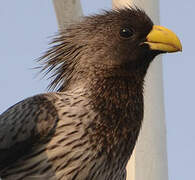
pixel 126 32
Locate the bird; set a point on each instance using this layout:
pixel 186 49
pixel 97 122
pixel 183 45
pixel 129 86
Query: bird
pixel 87 127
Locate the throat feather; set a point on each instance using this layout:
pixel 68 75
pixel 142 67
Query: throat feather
pixel 119 105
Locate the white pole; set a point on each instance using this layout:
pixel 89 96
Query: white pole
pixel 149 160
pixel 67 11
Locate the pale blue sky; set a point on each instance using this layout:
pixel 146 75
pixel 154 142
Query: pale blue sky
pixel 26 27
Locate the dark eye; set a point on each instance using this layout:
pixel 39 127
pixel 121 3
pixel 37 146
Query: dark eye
pixel 126 32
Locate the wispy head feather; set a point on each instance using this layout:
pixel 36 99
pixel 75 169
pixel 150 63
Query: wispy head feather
pixel 60 59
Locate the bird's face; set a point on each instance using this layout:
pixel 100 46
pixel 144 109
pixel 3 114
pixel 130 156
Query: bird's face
pixel 128 37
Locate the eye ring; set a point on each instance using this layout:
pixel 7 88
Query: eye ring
pixel 126 32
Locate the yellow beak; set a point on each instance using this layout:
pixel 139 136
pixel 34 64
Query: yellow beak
pixel 163 39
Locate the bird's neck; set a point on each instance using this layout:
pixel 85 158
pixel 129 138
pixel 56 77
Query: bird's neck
pixel 118 102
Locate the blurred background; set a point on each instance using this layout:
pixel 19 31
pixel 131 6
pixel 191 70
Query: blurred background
pixel 26 28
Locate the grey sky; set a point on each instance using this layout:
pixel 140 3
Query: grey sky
pixel 26 27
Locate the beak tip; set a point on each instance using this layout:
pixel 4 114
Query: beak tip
pixel 180 49
pixel 161 38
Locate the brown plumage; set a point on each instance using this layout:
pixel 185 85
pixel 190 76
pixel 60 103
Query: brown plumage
pixel 88 129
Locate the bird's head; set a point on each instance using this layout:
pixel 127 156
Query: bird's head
pixel 116 43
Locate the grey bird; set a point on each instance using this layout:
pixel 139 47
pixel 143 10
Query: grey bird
pixel 88 128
